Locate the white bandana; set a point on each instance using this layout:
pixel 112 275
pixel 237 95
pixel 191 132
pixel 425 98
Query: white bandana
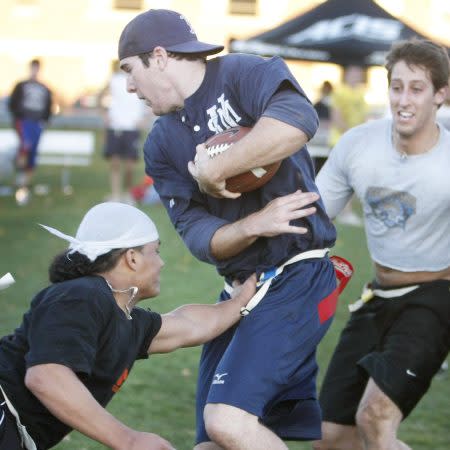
pixel 109 226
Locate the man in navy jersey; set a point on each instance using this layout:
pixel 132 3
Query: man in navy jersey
pixel 256 382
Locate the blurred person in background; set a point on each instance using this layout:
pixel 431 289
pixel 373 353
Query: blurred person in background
pixel 30 105
pixel 348 109
pixel 323 109
pixel 125 118
pixel 398 334
pixel 82 334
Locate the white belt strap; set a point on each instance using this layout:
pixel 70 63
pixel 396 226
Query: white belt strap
pixel 27 440
pixel 369 293
pixel 266 278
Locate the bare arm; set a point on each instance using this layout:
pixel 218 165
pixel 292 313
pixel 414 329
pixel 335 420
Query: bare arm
pixel 269 141
pixel 272 220
pixel 58 388
pixel 191 325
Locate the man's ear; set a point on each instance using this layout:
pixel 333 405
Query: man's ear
pixel 161 57
pixel 131 258
pixel 441 95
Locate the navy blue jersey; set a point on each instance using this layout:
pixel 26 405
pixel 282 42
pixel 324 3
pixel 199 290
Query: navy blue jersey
pixel 237 90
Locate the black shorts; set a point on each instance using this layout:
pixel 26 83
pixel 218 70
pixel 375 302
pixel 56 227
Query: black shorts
pixel 400 343
pixel 124 144
pixel 9 435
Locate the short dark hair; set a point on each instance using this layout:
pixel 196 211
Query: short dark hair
pixel 68 266
pixel 145 57
pixel 35 62
pixel 423 53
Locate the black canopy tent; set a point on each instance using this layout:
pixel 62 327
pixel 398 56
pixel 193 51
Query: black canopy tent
pixel 345 32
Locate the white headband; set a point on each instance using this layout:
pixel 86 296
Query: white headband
pixel 109 226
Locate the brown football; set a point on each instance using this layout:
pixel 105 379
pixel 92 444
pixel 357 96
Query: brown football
pixel 247 181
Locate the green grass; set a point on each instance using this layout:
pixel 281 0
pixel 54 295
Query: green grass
pixel 159 394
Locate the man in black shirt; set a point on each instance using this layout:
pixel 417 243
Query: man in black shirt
pixel 30 105
pixel 81 336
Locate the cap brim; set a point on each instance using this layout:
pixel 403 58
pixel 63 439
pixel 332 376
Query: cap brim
pixel 195 47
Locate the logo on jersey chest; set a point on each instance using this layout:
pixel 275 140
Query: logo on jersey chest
pixel 222 115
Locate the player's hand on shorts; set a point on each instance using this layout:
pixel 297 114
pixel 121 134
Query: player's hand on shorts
pixel 276 217
pixel 202 171
pixel 149 441
pixel 242 293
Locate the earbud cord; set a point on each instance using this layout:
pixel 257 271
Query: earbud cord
pixel 134 290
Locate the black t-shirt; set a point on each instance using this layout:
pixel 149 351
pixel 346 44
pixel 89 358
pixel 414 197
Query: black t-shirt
pixel 77 324
pixel 31 100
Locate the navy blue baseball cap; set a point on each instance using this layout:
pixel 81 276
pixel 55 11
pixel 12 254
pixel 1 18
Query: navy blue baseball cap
pixel 165 28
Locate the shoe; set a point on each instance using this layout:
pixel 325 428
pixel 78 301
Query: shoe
pixel 349 218
pixel 22 196
pixel 112 198
pixel 128 199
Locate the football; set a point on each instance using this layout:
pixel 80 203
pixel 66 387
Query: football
pixel 247 181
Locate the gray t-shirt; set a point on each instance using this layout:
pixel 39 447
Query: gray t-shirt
pixel 406 199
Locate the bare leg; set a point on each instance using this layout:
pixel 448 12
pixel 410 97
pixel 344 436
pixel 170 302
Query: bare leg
pixel 130 165
pixel 339 437
pixel 207 446
pixel 235 429
pixel 115 177
pixel 378 419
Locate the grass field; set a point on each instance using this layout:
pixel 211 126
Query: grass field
pixel 159 395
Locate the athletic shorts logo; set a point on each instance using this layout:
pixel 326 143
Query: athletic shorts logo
pixel 218 378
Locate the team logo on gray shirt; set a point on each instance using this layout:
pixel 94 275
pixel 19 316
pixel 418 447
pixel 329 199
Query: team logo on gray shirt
pixel 393 208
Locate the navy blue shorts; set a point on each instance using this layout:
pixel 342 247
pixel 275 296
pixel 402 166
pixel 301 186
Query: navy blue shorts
pixel 266 364
pixel 29 132
pixel 124 144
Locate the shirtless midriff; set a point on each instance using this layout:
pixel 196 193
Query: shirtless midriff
pixel 388 277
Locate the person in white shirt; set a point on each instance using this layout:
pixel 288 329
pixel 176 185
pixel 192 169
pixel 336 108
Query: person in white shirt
pixel 398 334
pixel 126 114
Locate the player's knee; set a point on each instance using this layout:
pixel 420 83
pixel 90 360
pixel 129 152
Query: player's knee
pixel 224 423
pixel 371 419
pixel 333 436
pixel 215 422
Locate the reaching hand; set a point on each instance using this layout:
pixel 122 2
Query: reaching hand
pixel 242 293
pixel 149 441
pixel 202 173
pixel 275 217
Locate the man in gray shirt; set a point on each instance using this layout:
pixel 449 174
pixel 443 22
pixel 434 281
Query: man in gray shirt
pixel 398 334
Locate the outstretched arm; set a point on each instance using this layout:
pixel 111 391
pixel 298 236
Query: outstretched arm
pixel 274 219
pixel 191 325
pixel 58 388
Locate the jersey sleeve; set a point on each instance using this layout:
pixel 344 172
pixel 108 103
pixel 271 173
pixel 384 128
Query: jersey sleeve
pixel 258 83
pixel 333 181
pixel 15 100
pixel 66 332
pixel 183 201
pixel 147 323
pixel 289 106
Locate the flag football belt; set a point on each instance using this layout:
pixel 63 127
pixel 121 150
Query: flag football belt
pixel 368 294
pixel 343 269
pixel 27 440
